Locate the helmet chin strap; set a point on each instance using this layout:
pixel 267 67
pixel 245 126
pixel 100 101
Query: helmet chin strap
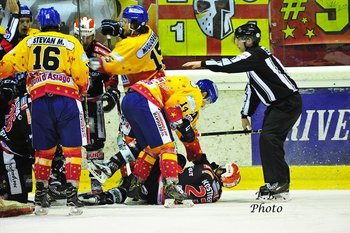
pixel 133 31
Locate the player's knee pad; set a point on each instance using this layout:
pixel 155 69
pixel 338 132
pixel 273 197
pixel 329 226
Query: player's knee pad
pixel 143 165
pixel 169 166
pixel 43 163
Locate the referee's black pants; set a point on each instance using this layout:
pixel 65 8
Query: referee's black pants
pixel 278 121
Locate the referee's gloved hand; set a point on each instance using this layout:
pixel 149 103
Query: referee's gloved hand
pixel 186 131
pixel 111 27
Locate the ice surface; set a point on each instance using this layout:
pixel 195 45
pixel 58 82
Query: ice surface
pixel 308 211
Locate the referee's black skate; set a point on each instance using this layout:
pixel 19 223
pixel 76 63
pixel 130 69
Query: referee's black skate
pixel 173 194
pixel 274 192
pixel 41 199
pixel 76 206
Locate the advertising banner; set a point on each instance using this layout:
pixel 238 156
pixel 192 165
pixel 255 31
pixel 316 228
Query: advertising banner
pixel 296 22
pixel 321 135
pixel 205 27
pixel 311 33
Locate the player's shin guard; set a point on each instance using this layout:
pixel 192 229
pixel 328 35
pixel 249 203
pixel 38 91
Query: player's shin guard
pixel 43 162
pixel 42 167
pixel 143 165
pixel 169 167
pixel 73 157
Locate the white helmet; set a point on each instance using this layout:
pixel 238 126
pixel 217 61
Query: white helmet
pixel 214 17
pixel 87 27
pixel 229 174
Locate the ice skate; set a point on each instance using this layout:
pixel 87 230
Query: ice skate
pixel 76 206
pixel 274 193
pixel 56 191
pixel 174 194
pixel 41 199
pixel 102 171
pixel 96 199
pixel 137 192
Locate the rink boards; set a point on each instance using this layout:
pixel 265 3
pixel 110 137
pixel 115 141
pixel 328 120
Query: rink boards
pixel 302 178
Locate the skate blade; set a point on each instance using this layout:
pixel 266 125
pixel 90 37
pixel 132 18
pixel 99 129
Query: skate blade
pixel 281 197
pixel 40 211
pixel 171 203
pixel 97 173
pixel 74 211
pixel 131 201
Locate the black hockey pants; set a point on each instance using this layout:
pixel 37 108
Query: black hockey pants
pixel 278 121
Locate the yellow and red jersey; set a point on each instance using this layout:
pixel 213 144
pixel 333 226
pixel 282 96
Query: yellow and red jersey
pixel 177 95
pixel 55 63
pixel 135 58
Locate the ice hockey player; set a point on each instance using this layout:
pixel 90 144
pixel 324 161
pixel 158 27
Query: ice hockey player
pixel 124 60
pixel 16 152
pixel 57 77
pixel 153 108
pixel 138 55
pixel 19 26
pixel 202 184
pixel 98 83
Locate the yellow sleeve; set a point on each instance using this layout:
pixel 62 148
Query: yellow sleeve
pixel 2 30
pixel 79 69
pixel 134 55
pixel 14 61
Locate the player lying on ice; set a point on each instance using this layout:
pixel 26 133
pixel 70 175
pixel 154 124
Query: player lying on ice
pixel 202 183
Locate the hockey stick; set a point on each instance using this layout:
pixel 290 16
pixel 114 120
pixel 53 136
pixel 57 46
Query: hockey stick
pixel 88 130
pixel 109 41
pixel 230 132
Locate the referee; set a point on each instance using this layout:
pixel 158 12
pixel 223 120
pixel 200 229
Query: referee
pixel 269 83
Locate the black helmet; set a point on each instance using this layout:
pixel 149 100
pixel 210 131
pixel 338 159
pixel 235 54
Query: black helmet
pixel 249 30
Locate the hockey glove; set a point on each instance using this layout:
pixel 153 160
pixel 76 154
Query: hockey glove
pixel 111 96
pixel 94 63
pixel 111 27
pixel 8 89
pixel 186 131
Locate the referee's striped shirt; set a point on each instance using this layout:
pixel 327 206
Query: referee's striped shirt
pixel 268 79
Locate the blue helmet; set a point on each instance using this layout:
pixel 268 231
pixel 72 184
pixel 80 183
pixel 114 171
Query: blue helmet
pixel 48 17
pixel 25 12
pixel 210 88
pixel 136 14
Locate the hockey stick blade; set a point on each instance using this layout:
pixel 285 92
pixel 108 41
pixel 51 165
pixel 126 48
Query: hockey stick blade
pixel 230 132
